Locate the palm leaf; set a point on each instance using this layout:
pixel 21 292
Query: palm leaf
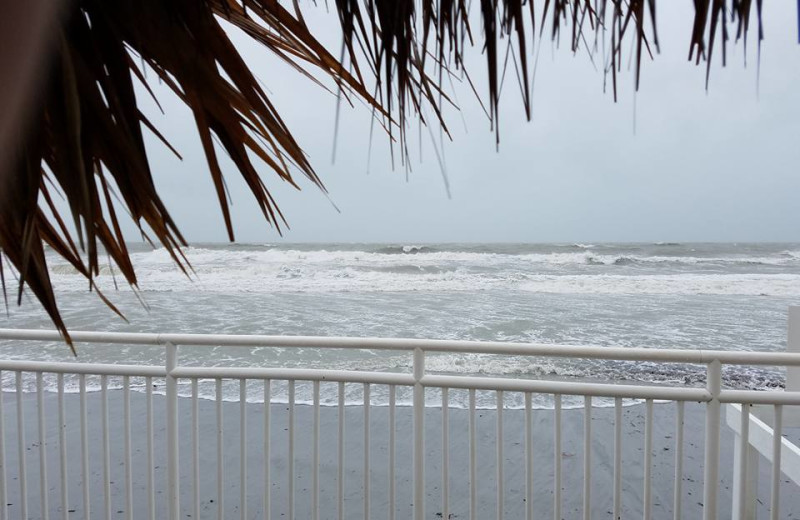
pixel 87 139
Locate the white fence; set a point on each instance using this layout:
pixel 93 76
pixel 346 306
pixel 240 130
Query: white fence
pixel 190 470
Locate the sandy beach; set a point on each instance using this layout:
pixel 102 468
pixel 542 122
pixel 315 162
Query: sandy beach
pixel 514 469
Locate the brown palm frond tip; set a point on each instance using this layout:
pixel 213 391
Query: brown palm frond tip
pixel 87 137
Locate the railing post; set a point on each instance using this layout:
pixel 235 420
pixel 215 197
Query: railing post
pixel 793 345
pixel 711 469
pixel 173 486
pixel 419 435
pixel 791 414
pixel 745 467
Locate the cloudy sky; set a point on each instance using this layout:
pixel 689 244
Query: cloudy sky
pixel 722 165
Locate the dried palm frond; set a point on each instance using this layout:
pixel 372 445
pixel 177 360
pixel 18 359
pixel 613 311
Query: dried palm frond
pixel 87 134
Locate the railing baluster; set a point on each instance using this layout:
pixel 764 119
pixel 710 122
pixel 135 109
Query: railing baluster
pixel 744 454
pixel 445 453
pixel 315 466
pixel 44 503
pixel 648 461
pixel 195 450
pixel 291 449
pixel 84 448
pixel 711 446
pixel 528 457
pixel 340 467
pixel 777 441
pixel 3 462
pixel 126 412
pixel 151 464
pixel 366 450
pixel 62 447
pixel 473 466
pixel 106 445
pixel 243 449
pixel 419 435
pixel 557 450
pixel 499 447
pixel 173 471
pixel 267 462
pixel 23 480
pixel 392 450
pixel 677 504
pixel 617 458
pixel 587 457
pixel 220 453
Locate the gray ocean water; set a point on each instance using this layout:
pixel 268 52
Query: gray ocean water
pixel 660 295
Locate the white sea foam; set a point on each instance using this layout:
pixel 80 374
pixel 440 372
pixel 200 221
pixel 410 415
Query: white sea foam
pixel 347 280
pixel 274 271
pixel 302 277
pixel 220 259
pixel 682 284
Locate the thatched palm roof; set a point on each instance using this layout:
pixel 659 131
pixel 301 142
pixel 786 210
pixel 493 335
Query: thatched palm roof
pixel 84 133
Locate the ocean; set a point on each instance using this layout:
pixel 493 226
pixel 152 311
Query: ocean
pixel 659 295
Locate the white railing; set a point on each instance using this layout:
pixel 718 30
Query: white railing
pixel 713 395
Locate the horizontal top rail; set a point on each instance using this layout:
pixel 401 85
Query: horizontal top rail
pixel 693 356
pixel 55 367
pixel 569 388
pixel 295 374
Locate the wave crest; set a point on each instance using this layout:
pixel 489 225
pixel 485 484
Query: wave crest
pixel 405 250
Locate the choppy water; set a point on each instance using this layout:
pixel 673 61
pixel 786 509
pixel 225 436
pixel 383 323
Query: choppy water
pixel 664 295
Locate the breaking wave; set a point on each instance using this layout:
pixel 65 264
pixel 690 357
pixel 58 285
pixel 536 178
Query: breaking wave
pixel 426 268
pixel 405 250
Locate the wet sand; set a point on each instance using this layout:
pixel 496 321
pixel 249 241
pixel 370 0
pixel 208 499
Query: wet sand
pixel 663 458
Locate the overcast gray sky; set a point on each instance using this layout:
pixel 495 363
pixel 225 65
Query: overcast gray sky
pixel 722 165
